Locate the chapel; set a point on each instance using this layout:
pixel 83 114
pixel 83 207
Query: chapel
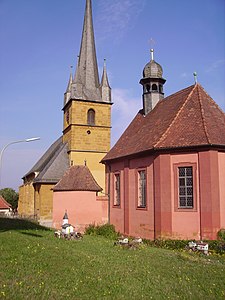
pixel 166 173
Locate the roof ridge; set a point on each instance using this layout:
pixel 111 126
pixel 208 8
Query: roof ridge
pixel 175 118
pixel 211 99
pixel 202 114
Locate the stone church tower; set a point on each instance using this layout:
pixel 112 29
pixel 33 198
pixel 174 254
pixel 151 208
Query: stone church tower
pixel 86 132
pixel 87 107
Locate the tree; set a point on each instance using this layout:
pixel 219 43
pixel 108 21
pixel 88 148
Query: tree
pixel 11 196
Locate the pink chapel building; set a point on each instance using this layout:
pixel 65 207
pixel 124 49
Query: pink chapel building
pixel 166 173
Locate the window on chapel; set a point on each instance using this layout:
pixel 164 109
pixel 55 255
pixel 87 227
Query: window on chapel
pixel 142 189
pixel 116 201
pixel 185 187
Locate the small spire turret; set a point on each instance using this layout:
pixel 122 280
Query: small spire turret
pixel 67 94
pixel 65 218
pixel 105 87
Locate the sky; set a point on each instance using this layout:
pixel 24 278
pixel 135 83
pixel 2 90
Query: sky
pixel 40 40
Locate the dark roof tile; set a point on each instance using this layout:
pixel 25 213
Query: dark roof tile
pixel 77 178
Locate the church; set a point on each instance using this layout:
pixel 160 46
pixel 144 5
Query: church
pixel 165 176
pixel 85 141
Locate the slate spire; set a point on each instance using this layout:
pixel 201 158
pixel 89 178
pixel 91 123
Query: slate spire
pixel 86 81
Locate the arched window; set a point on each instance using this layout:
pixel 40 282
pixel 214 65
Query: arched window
pixel 91 117
pixel 148 88
pixel 154 87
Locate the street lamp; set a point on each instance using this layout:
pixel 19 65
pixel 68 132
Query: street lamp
pixel 15 142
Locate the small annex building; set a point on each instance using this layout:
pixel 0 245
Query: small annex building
pixel 166 173
pixel 77 194
pixel 5 207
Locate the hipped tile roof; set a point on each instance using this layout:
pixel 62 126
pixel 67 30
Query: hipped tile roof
pixel 4 204
pixel 77 178
pixel 188 118
pixel 52 165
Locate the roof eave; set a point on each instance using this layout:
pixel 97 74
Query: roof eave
pixel 165 149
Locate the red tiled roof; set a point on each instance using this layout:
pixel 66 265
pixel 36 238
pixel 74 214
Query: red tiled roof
pixel 77 178
pixel 4 204
pixel 188 118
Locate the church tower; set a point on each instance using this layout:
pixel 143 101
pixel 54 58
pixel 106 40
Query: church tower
pixel 152 83
pixel 87 107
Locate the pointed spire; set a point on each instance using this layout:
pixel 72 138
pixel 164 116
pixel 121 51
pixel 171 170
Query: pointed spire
pixel 86 84
pixel 104 81
pixel 65 215
pixel 70 80
pixel 105 88
pixel 67 94
pixel 87 65
pixel 65 218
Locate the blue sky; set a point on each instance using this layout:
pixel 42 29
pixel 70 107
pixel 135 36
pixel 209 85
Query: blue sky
pixel 40 39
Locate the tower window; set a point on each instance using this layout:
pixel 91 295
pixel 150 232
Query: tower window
pixel 160 88
pixel 148 88
pixel 154 87
pixel 91 117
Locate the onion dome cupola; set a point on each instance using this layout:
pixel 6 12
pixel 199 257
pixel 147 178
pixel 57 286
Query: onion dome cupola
pixel 152 83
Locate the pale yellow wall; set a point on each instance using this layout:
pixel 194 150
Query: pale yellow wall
pixel 98 139
pixel 92 161
pixel 75 132
pixel 26 200
pixel 36 202
pixel 45 200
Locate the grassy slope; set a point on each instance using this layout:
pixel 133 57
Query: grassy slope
pixel 35 265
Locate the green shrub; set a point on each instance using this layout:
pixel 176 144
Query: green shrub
pixel 168 244
pixel 106 230
pixel 215 246
pixel 221 234
pixel 91 229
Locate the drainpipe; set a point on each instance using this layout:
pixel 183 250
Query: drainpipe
pixel 200 202
pixel 154 195
pixel 109 175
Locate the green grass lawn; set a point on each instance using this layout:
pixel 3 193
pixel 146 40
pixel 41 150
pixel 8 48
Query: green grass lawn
pixel 36 265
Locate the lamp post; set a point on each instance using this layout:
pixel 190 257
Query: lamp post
pixel 11 143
